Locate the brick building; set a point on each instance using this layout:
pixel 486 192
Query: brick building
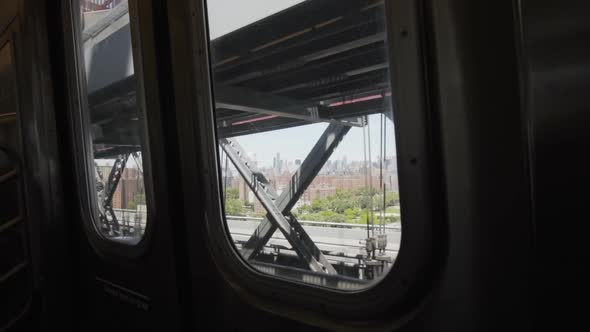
pixel 321 187
pixel 130 185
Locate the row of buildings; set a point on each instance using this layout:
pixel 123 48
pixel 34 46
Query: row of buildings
pixel 325 184
pixel 322 186
pixel 333 166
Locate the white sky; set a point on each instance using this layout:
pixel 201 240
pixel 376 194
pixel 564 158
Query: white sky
pixel 294 143
pixel 228 15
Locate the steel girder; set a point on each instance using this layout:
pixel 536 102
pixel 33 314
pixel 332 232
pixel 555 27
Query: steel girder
pixel 289 226
pixel 107 216
pixel 279 208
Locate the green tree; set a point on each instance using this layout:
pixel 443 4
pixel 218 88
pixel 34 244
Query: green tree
pixel 234 207
pixel 340 218
pixel 391 198
pixel 348 205
pixel 340 205
pixel 352 213
pixel 319 205
pixel 232 193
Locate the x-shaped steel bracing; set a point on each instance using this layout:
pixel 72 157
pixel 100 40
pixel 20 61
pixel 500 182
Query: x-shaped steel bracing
pixel 106 215
pixel 278 208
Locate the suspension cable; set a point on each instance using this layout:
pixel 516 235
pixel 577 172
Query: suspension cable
pixel 372 214
pixel 385 157
pixel 381 184
pixel 365 169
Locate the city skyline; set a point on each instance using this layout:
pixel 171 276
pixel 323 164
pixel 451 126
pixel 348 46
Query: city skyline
pixel 296 142
pixel 290 166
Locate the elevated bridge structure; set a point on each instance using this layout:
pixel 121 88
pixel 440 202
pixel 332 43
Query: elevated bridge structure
pixel 316 66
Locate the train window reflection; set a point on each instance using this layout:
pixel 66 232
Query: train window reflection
pixel 306 138
pixel 114 122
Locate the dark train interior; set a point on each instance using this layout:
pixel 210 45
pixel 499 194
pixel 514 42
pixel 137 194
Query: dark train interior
pixel 293 165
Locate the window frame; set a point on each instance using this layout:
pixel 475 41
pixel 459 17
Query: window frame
pixel 81 143
pixel 423 243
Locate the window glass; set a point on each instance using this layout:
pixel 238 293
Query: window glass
pixel 114 121
pixel 306 138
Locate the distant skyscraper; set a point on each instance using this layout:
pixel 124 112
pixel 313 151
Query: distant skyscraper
pixel 338 165
pixel 277 163
pixel 297 162
pixel 329 165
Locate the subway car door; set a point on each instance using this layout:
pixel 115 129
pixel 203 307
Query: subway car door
pixel 30 198
pixel 127 272
pixel 249 91
pixel 15 263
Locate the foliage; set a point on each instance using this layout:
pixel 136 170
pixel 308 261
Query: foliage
pixel 348 206
pixel 232 193
pixel 345 206
pixel 234 207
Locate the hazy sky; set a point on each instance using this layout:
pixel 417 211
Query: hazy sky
pixel 228 15
pixel 294 143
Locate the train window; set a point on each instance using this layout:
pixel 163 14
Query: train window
pixel 113 121
pixel 305 131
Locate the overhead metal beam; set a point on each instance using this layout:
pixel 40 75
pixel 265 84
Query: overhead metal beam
pixel 258 127
pixel 261 188
pixel 111 151
pixel 305 59
pixel 345 114
pixel 350 108
pixel 342 76
pixel 251 101
pixel 300 181
pixel 303 18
